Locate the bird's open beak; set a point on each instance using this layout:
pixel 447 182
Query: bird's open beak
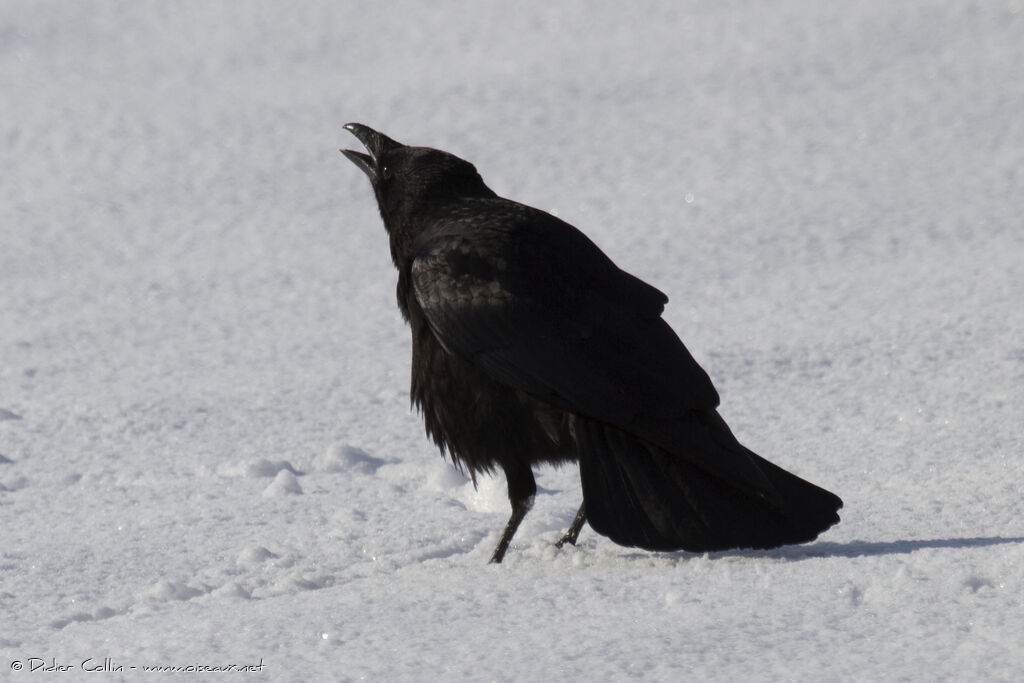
pixel 375 143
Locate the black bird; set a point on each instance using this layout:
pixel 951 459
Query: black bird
pixel 530 346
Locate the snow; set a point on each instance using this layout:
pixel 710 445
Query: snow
pixel 207 456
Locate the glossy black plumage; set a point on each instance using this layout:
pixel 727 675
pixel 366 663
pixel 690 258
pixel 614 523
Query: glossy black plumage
pixel 530 345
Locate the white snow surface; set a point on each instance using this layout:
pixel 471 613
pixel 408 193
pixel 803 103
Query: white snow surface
pixel 207 455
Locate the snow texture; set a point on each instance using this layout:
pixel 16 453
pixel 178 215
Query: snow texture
pixel 207 456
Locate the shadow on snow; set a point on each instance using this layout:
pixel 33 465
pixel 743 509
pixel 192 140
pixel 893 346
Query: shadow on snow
pixel 870 548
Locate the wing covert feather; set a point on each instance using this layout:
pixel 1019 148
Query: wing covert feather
pixel 572 329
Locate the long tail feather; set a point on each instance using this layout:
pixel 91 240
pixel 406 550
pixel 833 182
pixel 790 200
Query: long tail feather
pixel 641 495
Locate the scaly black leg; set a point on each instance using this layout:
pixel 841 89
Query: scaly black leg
pixel 574 531
pixel 521 489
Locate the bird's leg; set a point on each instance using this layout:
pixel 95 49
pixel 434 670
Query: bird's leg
pixel 574 530
pixel 521 489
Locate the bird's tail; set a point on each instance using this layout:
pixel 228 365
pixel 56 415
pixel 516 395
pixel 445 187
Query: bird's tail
pixel 638 494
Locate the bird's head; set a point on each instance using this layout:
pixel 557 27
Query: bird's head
pixel 408 181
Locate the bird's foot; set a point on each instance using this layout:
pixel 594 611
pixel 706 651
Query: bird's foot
pixel 574 530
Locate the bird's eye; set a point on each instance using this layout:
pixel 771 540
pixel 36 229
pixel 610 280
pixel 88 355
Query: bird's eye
pixel 385 172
